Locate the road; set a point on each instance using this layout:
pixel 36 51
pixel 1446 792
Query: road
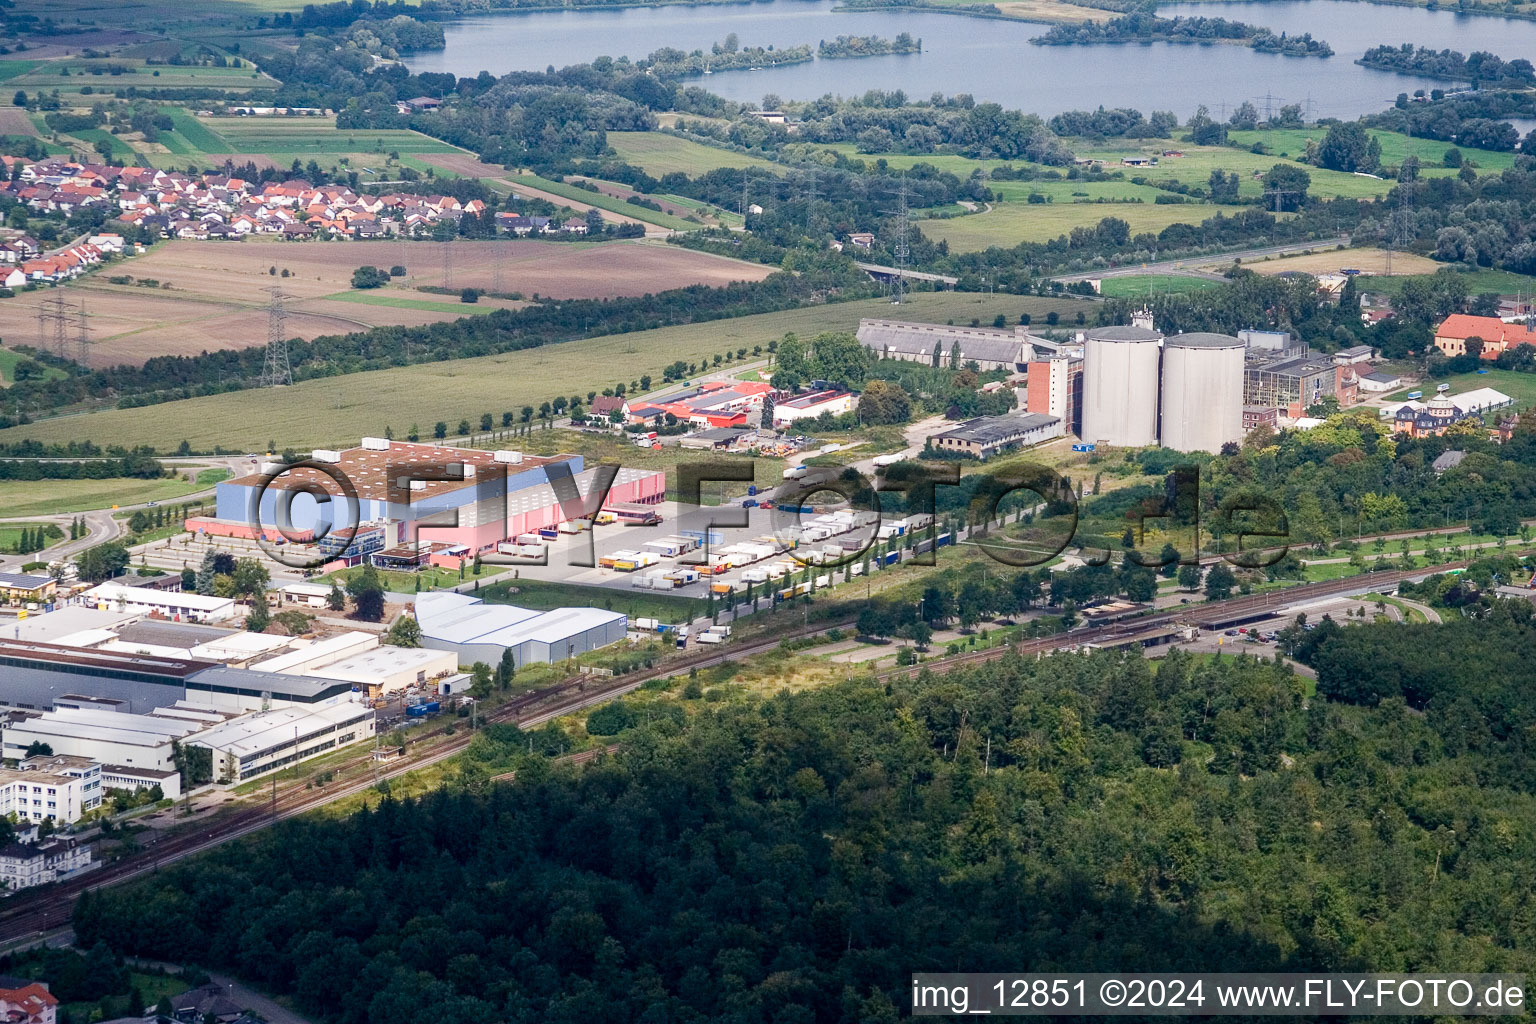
pixel 101 526
pixel 1202 266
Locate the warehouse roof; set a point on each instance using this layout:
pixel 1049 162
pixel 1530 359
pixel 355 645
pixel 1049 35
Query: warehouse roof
pixel 54 626
pixel 109 592
pixel 998 429
pixel 553 626
pixel 1124 332
pixel 372 666
pixel 1202 339
pixel 172 634
pixel 23 581
pixel 279 685
pixel 260 731
pixel 369 469
pixel 461 619
pixel 110 727
pixel 982 343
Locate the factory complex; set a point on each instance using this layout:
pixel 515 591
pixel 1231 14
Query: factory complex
pixel 404 505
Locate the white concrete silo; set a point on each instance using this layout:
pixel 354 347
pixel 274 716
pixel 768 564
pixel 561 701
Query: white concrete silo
pixel 1120 380
pixel 1202 399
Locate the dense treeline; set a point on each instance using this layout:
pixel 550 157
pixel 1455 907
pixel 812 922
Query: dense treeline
pixel 140 464
pixel 1481 66
pixel 1462 117
pixel 1144 27
pixel 792 859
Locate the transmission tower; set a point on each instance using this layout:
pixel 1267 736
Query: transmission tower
pixel 447 254
pixel 812 193
pixel 276 371
pixel 82 336
pixel 498 250
pixel 902 250
pixel 54 311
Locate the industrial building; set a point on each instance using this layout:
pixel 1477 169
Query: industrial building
pixel 990 348
pixel 1202 392
pixel 265 741
pixel 138 741
pixel 178 607
pixel 1293 382
pixel 493 495
pixel 476 631
pixel 1433 418
pixel 23 865
pixel 38 676
pixel 1120 385
pixel 833 401
pixel 988 435
pixel 711 404
pixel 383 669
pixel 1055 388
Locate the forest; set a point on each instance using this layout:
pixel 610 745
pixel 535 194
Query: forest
pixel 1481 66
pixel 792 858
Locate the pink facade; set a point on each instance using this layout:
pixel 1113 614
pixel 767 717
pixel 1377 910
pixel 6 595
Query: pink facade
pixel 244 531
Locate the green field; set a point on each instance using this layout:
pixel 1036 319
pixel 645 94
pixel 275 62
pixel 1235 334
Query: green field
pixel 1008 224
pixel 338 410
pixel 50 497
pixel 1076 191
pixel 10 69
pixel 8 360
pixel 373 298
pixel 605 202
pixel 10 533
pixel 70 75
pixel 1478 281
pixel 1153 284
pixel 305 137
pixel 1394 147
pixel 1519 386
pixel 637 604
pixel 193 133
pixel 658 154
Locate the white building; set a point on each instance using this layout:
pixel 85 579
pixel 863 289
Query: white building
pixel 23 865
pixel 386 669
pixel 305 595
pixel 35 796
pixel 307 656
pixel 113 737
pixel 261 742
pixel 120 776
pixel 181 607
pixel 82 768
pixel 812 405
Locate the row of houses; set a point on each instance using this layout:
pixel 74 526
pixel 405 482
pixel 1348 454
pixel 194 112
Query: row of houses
pixel 176 205
pixel 63 265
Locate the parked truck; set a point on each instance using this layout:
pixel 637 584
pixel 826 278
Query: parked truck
pixel 715 635
pixel 796 473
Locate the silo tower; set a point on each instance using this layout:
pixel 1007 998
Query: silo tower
pixel 1202 394
pixel 1120 386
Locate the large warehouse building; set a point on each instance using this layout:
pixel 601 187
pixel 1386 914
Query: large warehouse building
pixel 477 631
pixel 497 495
pixel 990 348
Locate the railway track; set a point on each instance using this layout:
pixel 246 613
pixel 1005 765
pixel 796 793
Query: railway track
pixel 1217 613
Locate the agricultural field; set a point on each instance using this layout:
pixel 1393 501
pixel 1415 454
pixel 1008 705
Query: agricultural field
pixel 603 202
pixel 1394 147
pixel 1149 284
pixel 1484 279
pixel 339 410
pixel 1519 386
pixel 1008 224
pixel 1370 261
pixel 658 154
pixel 52 497
pixel 69 75
pixel 1076 191
pixel 186 297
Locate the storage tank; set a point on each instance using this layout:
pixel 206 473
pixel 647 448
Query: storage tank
pixel 1202 392
pixel 1120 384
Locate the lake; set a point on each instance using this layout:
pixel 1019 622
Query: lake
pixel 993 59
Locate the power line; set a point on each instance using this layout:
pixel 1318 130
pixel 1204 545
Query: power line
pixel 447 254
pixel 82 336
pixel 902 250
pixel 498 249
pixel 276 371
